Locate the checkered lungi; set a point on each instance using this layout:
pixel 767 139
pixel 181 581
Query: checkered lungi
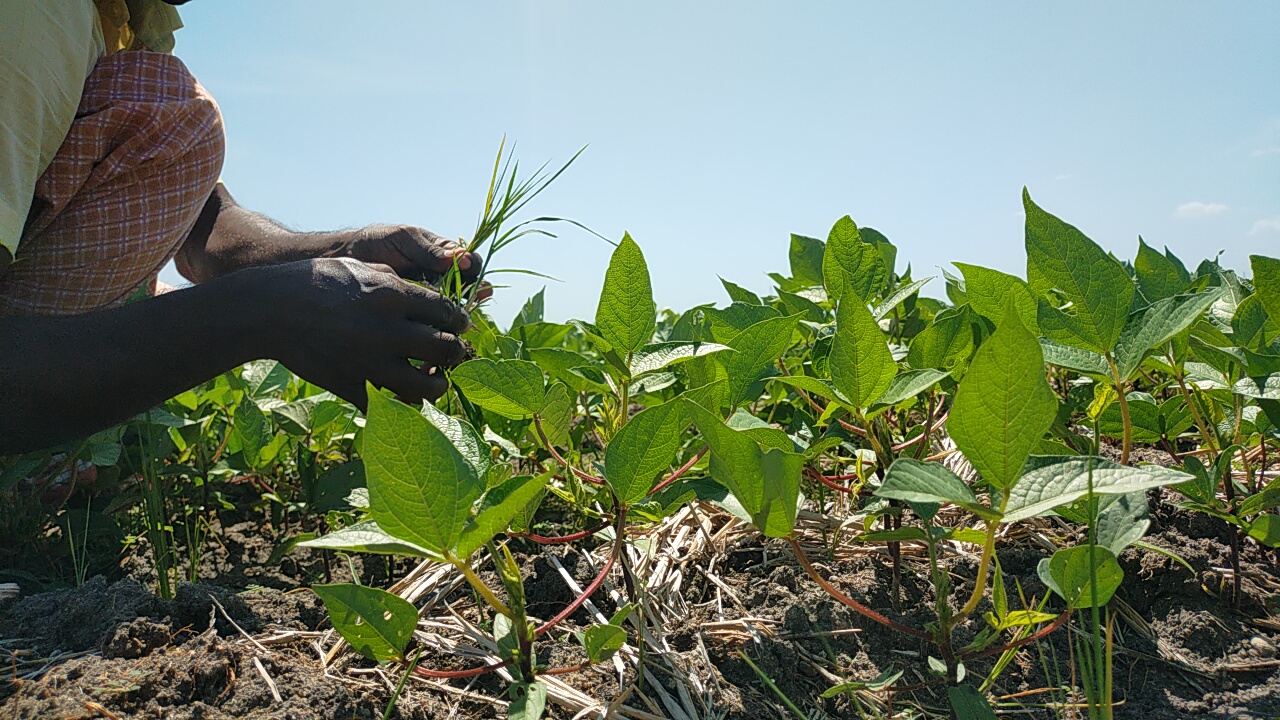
pixel 142 156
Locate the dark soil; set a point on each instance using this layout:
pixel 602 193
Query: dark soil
pixel 143 657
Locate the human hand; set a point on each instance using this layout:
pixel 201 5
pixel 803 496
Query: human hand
pixel 338 322
pixel 412 252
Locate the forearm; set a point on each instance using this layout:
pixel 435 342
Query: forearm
pixel 228 237
pixel 68 377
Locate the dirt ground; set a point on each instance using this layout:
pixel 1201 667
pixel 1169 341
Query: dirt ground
pixel 112 649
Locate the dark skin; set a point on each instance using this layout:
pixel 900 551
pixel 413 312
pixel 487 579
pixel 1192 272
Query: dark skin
pixel 333 307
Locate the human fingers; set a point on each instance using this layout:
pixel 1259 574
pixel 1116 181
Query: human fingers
pixel 411 385
pixel 433 346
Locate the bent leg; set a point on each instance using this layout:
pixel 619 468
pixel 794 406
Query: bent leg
pixel 119 198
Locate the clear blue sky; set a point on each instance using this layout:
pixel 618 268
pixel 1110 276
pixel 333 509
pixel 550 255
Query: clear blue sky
pixel 717 128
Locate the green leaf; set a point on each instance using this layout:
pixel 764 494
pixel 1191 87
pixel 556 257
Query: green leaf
pixel 909 384
pixel 945 344
pixel 737 293
pixel 887 678
pixel 367 537
pixel 577 371
pixel 556 414
pixel 806 259
pixel 644 447
pixel 1022 618
pixel 420 487
pixel 1262 388
pixel 603 641
pixel 1051 481
pixel 375 622
pixel 756 349
pixel 532 311
pixel 331 488
pixel 1067 573
pixel 897 298
pixel 626 315
pixel 969 704
pixel 1158 276
pixel 724 324
pixel 988 291
pixel 925 482
pixel 861 365
pixel 1004 405
pixel 765 483
pixel 1060 258
pixel 1155 324
pixel 265 378
pixel 528 701
pixel 1074 358
pixel 851 266
pixel 498 508
pixel 463 436
pixel 813 385
pixel 1266 283
pixel 510 388
pixel 902 534
pixel 656 356
pixel 1249 324
pixel 1266 530
pixel 251 428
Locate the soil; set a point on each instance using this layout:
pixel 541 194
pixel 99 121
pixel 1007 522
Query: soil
pixel 113 649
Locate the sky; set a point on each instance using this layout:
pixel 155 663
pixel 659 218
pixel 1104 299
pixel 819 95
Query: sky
pixel 716 129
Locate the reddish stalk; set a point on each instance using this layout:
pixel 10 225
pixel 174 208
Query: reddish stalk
pixel 537 424
pixel 828 481
pixel 571 608
pixel 848 601
pixel 933 429
pixel 1039 634
pixel 459 674
pixel 680 471
pixel 562 539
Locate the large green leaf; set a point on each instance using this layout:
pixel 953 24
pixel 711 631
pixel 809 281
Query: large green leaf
pixel 1262 388
pixel 969 704
pixel 626 315
pixel 603 641
pixel 1060 258
pixel 988 291
pixel 909 384
pixel 1266 283
pixel 861 365
pixel 1155 324
pixel 1068 574
pixel 499 506
pixel 556 415
pixel 737 293
pixel 367 537
pixel 375 622
pixel 510 388
pixel 756 349
pixel 724 324
pixel 463 436
pixel 1052 481
pixel 656 356
pixel 252 430
pixel 1074 358
pixel 898 297
pixel 644 447
pixel 1004 405
pixel 926 482
pixel 420 487
pixel 1249 324
pixel 1158 276
pixel 806 259
pixel 850 266
pixel 528 700
pixel 765 483
pixel 946 343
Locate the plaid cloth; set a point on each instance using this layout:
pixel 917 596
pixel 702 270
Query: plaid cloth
pixel 119 198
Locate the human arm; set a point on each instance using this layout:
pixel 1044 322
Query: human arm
pixel 335 322
pixel 227 237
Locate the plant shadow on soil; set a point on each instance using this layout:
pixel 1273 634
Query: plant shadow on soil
pixel 137 656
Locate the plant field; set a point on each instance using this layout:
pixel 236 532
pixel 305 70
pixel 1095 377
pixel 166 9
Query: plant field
pixel 1049 496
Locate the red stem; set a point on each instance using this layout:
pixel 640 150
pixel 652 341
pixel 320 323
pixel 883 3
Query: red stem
pixel 620 538
pixel 1057 623
pixel 850 602
pixel 563 539
pixel 679 472
pixel 828 481
pixel 936 426
pixel 537 424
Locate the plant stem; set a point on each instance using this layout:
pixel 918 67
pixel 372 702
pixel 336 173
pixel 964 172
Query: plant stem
pixel 537 424
pixel 980 583
pixel 848 601
pixel 1124 410
pixel 391 704
pixel 679 472
pixel 1195 410
pixel 563 539
pixel 619 539
pixel 769 683
pixel 465 568
pixel 1038 635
